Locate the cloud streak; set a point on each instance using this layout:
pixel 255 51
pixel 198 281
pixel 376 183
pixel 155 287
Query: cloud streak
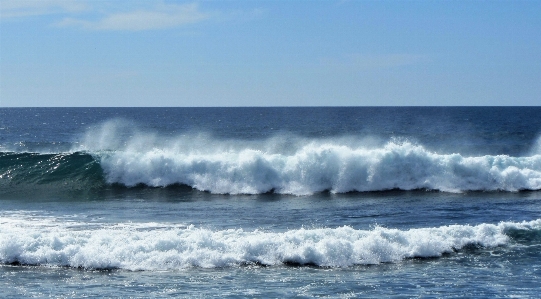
pixel 160 17
pixel 104 15
pixel 10 9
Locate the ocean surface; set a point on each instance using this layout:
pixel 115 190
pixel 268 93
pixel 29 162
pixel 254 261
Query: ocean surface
pixel 329 202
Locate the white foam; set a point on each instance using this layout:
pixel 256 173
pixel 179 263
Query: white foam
pixel 299 166
pixel 161 247
pixel 317 167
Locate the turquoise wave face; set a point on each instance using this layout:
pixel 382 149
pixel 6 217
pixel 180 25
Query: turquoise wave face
pixel 20 172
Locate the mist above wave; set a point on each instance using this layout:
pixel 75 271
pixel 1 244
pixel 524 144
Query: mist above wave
pixel 301 166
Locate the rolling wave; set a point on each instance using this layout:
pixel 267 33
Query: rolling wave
pixel 321 167
pixel 165 247
pixel 248 168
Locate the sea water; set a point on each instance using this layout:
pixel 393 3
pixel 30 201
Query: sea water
pixel 270 202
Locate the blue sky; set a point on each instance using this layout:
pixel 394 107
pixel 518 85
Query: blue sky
pixel 269 53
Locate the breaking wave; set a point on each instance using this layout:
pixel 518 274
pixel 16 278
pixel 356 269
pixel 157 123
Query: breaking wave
pixel 121 155
pixel 320 167
pixel 155 246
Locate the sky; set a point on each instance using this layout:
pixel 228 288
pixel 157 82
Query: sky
pixel 83 53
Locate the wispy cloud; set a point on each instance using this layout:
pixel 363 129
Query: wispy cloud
pixel 99 15
pixel 161 16
pixel 24 8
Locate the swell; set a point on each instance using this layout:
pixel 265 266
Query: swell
pixel 156 246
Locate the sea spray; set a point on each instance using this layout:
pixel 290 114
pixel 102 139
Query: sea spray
pixel 297 165
pixel 322 166
pixel 118 153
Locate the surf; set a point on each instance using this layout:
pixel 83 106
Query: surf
pixel 163 246
pixel 118 153
pixel 317 166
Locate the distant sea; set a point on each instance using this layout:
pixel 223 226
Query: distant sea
pixel 331 202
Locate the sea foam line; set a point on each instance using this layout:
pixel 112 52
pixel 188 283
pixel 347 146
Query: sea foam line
pixel 127 247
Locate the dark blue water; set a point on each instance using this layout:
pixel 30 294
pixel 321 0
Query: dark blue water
pixel 270 202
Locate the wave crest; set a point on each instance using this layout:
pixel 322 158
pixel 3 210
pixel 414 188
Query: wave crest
pixel 119 153
pixel 320 166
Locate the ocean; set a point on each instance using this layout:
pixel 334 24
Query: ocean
pixel 281 202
